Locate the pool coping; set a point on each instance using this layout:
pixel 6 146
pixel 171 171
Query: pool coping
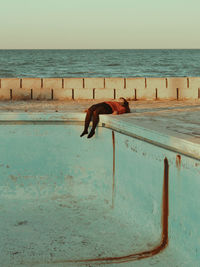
pixel 177 144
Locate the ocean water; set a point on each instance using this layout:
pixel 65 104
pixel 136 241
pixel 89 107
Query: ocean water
pixel 100 63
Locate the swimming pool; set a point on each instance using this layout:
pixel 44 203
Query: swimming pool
pixel 127 195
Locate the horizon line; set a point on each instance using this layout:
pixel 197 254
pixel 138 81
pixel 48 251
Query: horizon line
pixel 99 48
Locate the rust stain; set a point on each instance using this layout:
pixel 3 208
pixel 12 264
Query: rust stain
pixel 144 254
pixel 178 161
pixel 113 182
pixel 165 211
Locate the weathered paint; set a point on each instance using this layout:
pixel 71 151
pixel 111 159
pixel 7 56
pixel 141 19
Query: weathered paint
pixel 57 190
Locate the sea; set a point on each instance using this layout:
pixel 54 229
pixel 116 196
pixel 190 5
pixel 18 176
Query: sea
pixel 100 63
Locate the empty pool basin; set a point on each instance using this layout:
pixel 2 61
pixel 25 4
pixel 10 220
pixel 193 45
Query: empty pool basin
pixel 113 199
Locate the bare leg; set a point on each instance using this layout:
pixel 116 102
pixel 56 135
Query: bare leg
pixel 93 112
pixel 95 122
pixel 88 119
pixel 101 109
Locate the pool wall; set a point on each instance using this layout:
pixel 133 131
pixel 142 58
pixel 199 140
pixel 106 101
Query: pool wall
pixel 139 182
pixel 140 88
pixel 39 160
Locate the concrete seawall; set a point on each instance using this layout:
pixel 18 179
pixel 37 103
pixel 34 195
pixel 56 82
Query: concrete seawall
pixel 100 88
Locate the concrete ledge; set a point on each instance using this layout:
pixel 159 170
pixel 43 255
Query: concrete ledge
pixel 174 143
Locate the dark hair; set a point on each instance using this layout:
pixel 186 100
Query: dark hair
pixel 126 105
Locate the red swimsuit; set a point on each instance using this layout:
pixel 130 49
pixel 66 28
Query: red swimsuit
pixel 116 107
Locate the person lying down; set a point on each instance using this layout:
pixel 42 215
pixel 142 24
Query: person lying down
pixel 107 107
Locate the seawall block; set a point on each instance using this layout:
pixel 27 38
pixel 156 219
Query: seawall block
pixel 52 83
pixel 135 83
pixel 21 94
pixel 194 82
pixel 4 94
pixel 70 83
pixel 10 83
pixel 94 82
pixel 62 94
pixel 167 93
pixel 30 83
pixel 83 94
pixel 188 93
pixel 156 83
pixel 114 83
pixel 104 93
pixel 146 94
pixel 177 83
pixel 42 94
pixel 126 93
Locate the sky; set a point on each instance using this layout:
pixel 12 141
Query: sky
pixel 99 24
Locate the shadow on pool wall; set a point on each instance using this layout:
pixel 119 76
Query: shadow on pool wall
pixel 61 203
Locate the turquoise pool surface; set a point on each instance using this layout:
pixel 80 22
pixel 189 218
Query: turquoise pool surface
pixel 118 199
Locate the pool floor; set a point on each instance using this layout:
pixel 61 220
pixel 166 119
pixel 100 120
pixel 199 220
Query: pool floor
pixel 63 229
